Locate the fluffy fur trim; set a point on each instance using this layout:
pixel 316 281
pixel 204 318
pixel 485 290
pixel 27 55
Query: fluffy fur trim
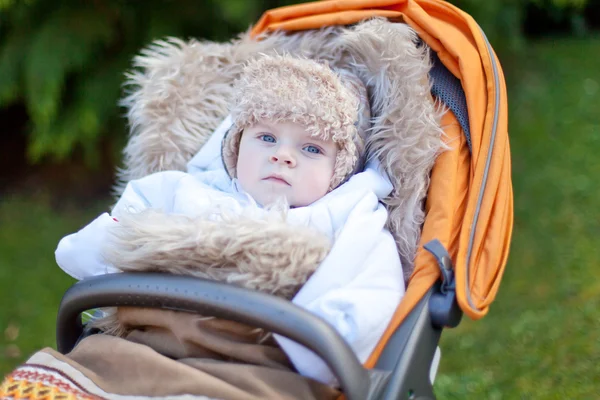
pixel 180 91
pixel 265 254
pixel 283 88
pixel 407 136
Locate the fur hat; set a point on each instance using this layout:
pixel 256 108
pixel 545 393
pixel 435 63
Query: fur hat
pixel 329 103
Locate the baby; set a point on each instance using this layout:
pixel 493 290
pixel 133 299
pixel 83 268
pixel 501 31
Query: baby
pixel 295 136
pixel 302 127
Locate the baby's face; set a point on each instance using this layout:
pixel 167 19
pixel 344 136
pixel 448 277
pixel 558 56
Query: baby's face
pixel 282 160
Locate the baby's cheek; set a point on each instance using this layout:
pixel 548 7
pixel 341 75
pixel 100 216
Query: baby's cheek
pixel 245 178
pixel 320 184
pixel 246 166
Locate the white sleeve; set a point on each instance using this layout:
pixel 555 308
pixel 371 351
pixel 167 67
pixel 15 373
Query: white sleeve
pixel 152 191
pixel 360 310
pixel 80 254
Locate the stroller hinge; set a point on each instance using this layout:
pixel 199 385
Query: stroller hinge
pixel 443 306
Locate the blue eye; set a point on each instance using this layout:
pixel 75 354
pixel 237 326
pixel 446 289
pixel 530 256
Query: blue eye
pixel 312 149
pixel 267 138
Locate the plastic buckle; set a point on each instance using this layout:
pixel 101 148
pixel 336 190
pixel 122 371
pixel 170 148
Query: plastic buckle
pixel 443 305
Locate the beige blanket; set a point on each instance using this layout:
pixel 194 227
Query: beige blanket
pixel 168 354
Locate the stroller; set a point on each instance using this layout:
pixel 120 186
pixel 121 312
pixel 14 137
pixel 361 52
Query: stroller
pixel 465 236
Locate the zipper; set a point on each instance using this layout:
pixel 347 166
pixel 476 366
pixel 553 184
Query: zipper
pixel 486 170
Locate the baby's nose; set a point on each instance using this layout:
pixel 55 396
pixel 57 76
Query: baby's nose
pixel 283 156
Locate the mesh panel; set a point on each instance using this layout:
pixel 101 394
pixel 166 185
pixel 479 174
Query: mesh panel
pixel 447 88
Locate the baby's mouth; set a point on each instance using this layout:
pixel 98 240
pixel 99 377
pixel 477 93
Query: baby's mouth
pixel 275 178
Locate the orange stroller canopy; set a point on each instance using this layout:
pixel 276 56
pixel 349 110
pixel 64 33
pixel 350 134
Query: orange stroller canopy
pixel 469 205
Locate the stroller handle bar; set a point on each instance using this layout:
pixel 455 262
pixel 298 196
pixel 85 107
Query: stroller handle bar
pixel 217 299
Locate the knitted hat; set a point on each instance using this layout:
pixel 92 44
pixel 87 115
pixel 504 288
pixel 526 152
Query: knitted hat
pixel 329 104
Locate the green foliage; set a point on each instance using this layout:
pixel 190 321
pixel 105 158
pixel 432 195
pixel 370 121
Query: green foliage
pixel 502 20
pixel 65 60
pixel 562 3
pixel 68 41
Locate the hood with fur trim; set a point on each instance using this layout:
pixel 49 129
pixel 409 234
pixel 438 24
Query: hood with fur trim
pixel 181 91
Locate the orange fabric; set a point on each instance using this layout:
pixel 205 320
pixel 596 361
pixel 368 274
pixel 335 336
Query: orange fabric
pixel 445 207
pixel 471 193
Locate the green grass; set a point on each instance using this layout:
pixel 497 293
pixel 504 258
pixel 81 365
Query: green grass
pixel 541 339
pixel 31 284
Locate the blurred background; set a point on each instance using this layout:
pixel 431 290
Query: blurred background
pixel 62 64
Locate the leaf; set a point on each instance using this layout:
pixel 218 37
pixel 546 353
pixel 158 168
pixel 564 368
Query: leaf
pixel 12 54
pixel 91 112
pixel 68 41
pixel 6 5
pixel 237 11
